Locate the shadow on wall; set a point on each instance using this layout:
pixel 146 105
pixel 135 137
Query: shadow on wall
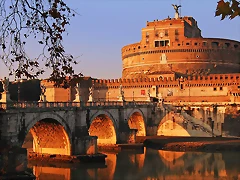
pixel 232 121
pixel 28 90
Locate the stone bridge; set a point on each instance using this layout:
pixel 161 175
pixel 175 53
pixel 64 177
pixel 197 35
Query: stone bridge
pixel 72 128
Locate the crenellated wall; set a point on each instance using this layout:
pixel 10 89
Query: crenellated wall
pixel 212 88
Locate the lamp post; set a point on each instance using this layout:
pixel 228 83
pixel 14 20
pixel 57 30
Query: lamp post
pixel 18 92
pixel 108 96
pixel 18 89
pixel 98 95
pixel 188 91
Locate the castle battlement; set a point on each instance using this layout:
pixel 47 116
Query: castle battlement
pixel 211 80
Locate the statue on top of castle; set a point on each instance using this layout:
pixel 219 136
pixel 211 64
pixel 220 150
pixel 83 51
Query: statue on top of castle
pixel 149 94
pixel 77 88
pixel 5 83
pixel 176 7
pixel 121 92
pixel 90 90
pixel 43 89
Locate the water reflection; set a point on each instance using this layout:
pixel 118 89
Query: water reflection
pixel 149 165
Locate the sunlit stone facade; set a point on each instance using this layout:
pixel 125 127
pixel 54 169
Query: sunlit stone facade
pixel 172 62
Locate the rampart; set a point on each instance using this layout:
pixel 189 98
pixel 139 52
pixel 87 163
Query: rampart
pixel 190 81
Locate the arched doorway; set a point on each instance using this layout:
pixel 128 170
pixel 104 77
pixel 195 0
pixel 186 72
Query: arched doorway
pixel 48 136
pixel 103 127
pixel 136 121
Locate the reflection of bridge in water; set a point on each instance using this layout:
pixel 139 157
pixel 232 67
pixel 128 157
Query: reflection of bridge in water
pixel 152 164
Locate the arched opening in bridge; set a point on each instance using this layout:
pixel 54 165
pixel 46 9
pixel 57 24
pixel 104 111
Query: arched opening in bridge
pixel 172 125
pixel 103 127
pixel 48 137
pixel 136 121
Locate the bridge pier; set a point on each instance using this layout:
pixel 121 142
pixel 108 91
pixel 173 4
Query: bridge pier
pixel 13 161
pixel 126 135
pixel 86 145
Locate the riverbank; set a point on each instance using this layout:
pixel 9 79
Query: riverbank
pixel 91 158
pixel 209 144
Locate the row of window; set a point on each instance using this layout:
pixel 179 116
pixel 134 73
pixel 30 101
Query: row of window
pixel 220 88
pixel 163 43
pixel 216 77
pixel 162 33
pixel 175 50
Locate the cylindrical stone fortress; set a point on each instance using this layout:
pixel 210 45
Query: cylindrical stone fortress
pixel 175 46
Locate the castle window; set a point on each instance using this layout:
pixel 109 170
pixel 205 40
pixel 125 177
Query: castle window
pixel 214 89
pixel 176 32
pixel 162 43
pixel 227 45
pixel 147 34
pixel 221 88
pixel 195 43
pixel 166 32
pixel 235 45
pixel 215 44
pixel 181 86
pixel 187 44
pixel 204 43
pixel 139 47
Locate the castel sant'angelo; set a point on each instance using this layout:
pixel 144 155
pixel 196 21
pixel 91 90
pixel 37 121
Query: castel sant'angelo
pixel 172 62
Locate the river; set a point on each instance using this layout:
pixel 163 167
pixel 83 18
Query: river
pixel 146 165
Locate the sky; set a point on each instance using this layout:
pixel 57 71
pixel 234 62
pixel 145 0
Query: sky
pixel 102 27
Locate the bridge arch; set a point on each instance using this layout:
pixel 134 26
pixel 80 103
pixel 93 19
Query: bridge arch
pixel 137 121
pixel 103 125
pixel 172 125
pixel 49 133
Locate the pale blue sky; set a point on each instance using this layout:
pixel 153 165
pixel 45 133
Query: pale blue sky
pixel 105 26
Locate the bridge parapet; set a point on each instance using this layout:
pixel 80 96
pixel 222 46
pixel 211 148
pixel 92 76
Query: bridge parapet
pixel 34 105
pixel 207 104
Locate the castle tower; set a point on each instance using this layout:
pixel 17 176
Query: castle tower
pixel 175 47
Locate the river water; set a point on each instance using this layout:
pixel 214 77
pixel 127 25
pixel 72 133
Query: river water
pixel 148 164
